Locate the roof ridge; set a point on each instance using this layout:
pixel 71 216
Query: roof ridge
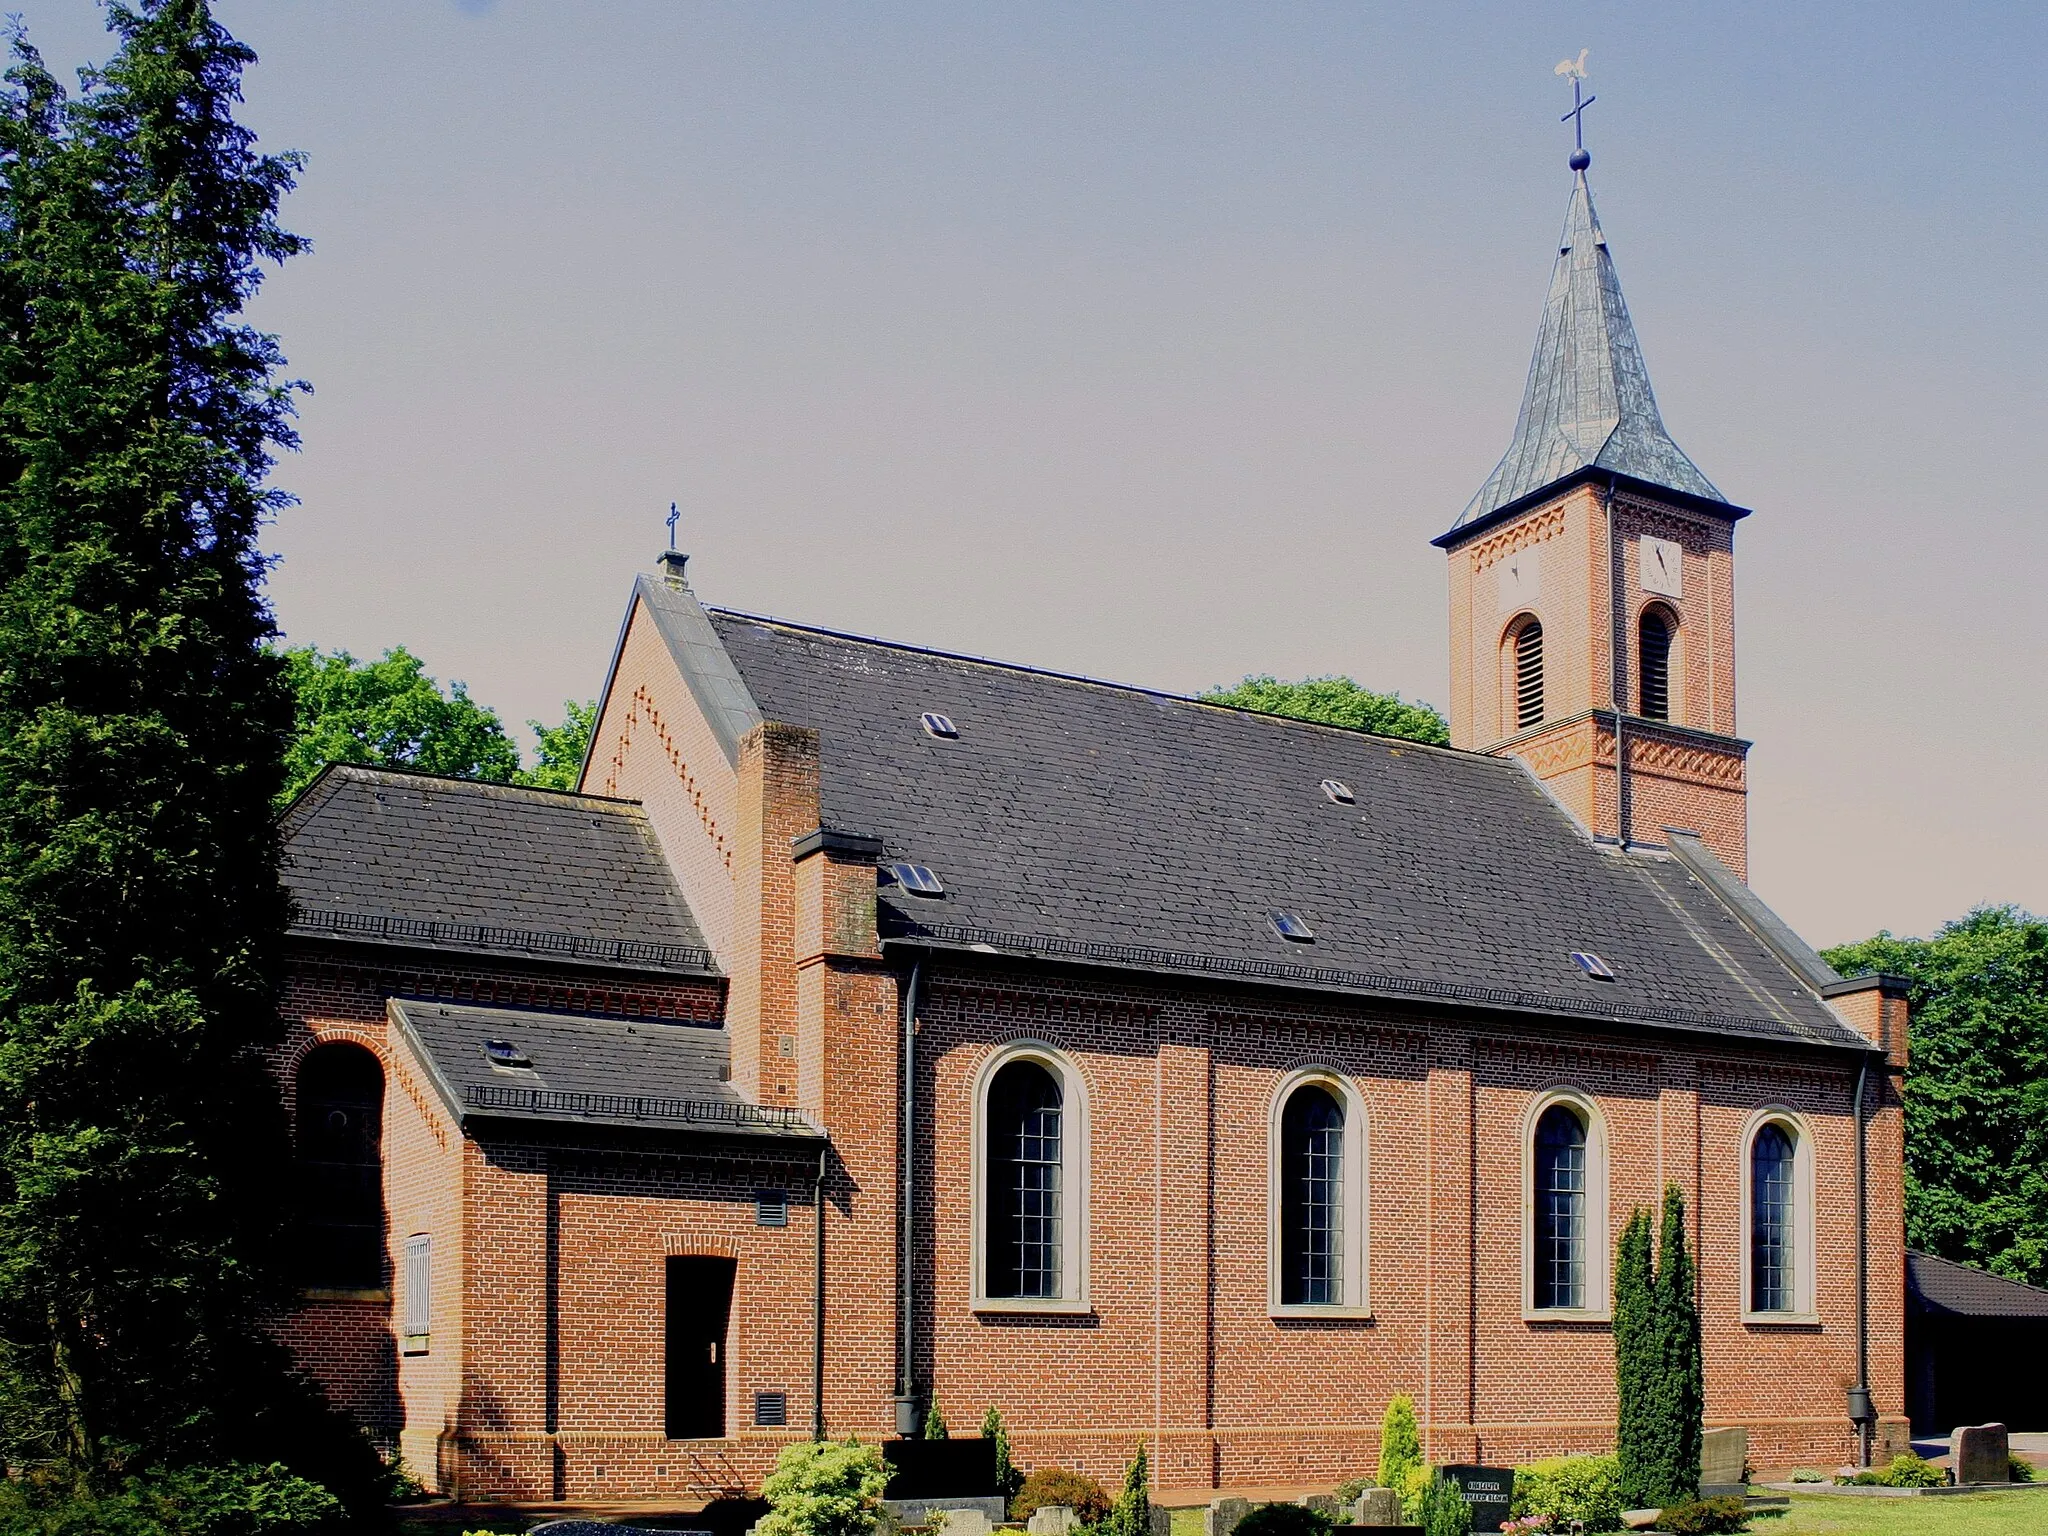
pixel 378 770
pixel 1088 680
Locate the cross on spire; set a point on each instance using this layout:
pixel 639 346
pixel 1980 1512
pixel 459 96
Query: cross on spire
pixel 674 517
pixel 1575 71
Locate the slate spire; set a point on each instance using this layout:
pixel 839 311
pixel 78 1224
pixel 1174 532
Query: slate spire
pixel 1588 402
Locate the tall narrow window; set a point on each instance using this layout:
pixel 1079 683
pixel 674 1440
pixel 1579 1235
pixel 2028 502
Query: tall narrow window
pixel 340 1136
pixel 1560 1207
pixel 1312 1208
pixel 1025 1183
pixel 1772 1242
pixel 1654 649
pixel 1529 675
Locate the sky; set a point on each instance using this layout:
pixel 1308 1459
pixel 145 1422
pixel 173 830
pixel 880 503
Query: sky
pixel 1155 341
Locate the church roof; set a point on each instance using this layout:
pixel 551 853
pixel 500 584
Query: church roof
pixel 424 862
pixel 572 1069
pixel 1587 404
pixel 1084 821
pixel 1942 1285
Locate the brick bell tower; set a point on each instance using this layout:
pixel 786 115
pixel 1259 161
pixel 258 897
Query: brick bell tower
pixel 1592 584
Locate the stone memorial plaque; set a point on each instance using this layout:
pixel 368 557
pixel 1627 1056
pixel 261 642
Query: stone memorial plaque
pixel 1489 1490
pixel 1053 1520
pixel 1724 1453
pixel 1981 1454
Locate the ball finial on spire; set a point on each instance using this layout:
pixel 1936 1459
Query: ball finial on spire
pixel 1580 160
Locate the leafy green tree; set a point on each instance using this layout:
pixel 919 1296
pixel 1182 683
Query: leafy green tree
pixel 390 714
pixel 1400 1442
pixel 1635 1357
pixel 560 749
pixel 1337 701
pixel 142 736
pixel 824 1488
pixel 1676 1423
pixel 1976 1087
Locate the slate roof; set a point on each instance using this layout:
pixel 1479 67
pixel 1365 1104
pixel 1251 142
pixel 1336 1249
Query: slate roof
pixel 1942 1285
pixel 1587 403
pixel 1082 820
pixel 408 858
pixel 586 1071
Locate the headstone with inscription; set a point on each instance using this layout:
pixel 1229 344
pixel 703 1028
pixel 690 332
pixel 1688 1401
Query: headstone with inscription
pixel 1724 1456
pixel 1489 1490
pixel 1052 1520
pixel 1982 1453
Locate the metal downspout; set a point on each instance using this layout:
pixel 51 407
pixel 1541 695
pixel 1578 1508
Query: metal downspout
pixel 906 1392
pixel 818 1303
pixel 1860 1408
pixel 1617 674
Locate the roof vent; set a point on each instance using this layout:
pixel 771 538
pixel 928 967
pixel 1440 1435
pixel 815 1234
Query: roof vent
pixel 1592 965
pixel 1339 792
pixel 917 880
pixel 503 1053
pixel 939 725
pixel 1291 928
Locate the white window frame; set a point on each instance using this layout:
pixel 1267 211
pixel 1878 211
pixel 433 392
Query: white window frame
pixel 416 1276
pixel 1599 1239
pixel 1074 1122
pixel 1804 1312
pixel 1357 1300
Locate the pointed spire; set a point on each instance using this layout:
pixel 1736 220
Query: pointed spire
pixel 1588 403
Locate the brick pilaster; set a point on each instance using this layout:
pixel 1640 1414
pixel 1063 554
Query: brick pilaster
pixel 778 801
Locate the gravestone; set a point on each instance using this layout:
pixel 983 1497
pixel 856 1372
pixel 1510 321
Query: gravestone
pixel 1162 1521
pixel 1489 1490
pixel 1222 1515
pixel 1052 1520
pixel 1724 1454
pixel 1377 1506
pixel 1982 1454
pixel 968 1522
pixel 988 1510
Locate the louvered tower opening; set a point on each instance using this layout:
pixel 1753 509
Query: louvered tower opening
pixel 1655 650
pixel 1529 676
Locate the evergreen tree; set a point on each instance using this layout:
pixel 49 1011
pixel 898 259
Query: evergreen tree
pixel 1445 1511
pixel 1131 1515
pixel 1400 1443
pixel 1008 1478
pixel 1635 1357
pixel 142 734
pixel 1676 1427
pixel 935 1421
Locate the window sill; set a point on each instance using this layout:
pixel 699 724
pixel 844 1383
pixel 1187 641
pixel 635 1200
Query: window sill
pixel 1567 1315
pixel 1781 1319
pixel 344 1293
pixel 413 1344
pixel 1306 1310
pixel 1028 1304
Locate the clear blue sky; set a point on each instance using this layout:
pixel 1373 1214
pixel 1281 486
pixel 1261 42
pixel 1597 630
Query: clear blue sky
pixel 1156 340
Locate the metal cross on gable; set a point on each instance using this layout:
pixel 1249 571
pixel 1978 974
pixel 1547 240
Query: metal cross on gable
pixel 674 517
pixel 1576 70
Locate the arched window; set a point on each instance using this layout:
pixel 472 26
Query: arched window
pixel 340 1143
pixel 1312 1199
pixel 1025 1225
pixel 1778 1218
pixel 1654 650
pixel 1562 1166
pixel 1529 675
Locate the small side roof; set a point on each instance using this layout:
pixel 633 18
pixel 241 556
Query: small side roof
pixel 581 1070
pixel 387 857
pixel 1942 1285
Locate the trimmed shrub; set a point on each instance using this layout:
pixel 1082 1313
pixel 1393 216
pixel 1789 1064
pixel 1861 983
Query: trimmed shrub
pixel 1008 1478
pixel 1704 1517
pixel 2019 1470
pixel 1284 1520
pixel 1444 1510
pixel 824 1488
pixel 1568 1488
pixel 194 1501
pixel 1131 1515
pixel 1057 1485
pixel 1400 1442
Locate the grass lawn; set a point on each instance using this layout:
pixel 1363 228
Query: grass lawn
pixel 1970 1514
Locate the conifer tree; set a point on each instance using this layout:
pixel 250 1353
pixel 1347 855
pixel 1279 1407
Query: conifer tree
pixel 1635 1357
pixel 142 730
pixel 935 1427
pixel 1131 1515
pixel 1676 1428
pixel 1400 1443
pixel 1008 1479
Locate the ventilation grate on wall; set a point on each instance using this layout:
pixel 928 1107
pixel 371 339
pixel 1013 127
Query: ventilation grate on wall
pixel 771 1410
pixel 1654 651
pixel 771 1207
pixel 1529 676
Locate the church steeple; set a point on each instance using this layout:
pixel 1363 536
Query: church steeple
pixel 1587 404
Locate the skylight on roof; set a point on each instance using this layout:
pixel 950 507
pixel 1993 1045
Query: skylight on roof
pixel 1592 965
pixel 939 725
pixel 1291 928
pixel 1339 792
pixel 503 1053
pixel 917 879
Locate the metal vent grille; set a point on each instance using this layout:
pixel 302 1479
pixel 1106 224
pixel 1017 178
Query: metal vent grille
pixel 1655 650
pixel 771 1207
pixel 1529 676
pixel 771 1410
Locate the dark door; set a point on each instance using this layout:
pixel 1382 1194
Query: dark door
pixel 699 1307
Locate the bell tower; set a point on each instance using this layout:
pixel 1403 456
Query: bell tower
pixel 1592 584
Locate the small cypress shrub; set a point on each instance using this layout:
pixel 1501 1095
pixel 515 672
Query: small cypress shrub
pixel 935 1421
pixel 1008 1478
pixel 1444 1510
pixel 1400 1443
pixel 1131 1515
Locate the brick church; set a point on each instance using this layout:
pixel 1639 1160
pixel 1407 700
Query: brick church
pixel 876 1023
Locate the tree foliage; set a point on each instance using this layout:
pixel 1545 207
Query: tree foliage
pixel 1337 701
pixel 559 751
pixel 824 1488
pixel 1400 1442
pixel 1008 1479
pixel 1976 1087
pixel 1677 1424
pixel 1635 1357
pixel 142 734
pixel 389 714
pixel 1131 1514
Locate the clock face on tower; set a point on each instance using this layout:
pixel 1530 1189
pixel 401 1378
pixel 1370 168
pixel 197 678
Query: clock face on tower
pixel 1519 586
pixel 1663 567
